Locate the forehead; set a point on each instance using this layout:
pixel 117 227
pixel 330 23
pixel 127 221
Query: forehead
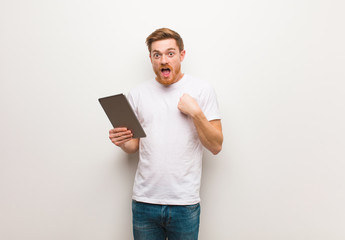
pixel 164 45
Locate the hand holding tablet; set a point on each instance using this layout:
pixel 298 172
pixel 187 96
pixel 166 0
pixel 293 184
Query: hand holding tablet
pixel 121 114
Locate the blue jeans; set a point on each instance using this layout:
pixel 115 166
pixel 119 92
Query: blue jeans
pixel 159 222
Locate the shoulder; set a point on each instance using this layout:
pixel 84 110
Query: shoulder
pixel 201 84
pixel 141 88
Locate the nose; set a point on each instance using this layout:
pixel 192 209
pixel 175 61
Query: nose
pixel 164 59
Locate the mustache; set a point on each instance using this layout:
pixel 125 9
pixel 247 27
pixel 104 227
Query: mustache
pixel 165 66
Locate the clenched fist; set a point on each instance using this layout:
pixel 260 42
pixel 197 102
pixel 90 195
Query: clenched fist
pixel 188 105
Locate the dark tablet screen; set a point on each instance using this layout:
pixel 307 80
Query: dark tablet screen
pixel 121 114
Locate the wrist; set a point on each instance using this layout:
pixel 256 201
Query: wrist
pixel 198 114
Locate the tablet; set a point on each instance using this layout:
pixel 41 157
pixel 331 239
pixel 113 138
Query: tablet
pixel 121 114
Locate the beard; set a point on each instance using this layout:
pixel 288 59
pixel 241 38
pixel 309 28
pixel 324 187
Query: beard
pixel 168 75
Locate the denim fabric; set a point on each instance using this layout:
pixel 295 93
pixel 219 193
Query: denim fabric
pixel 160 222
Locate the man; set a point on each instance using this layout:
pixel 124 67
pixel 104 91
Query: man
pixel 180 116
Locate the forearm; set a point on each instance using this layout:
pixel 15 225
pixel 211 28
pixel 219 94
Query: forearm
pixel 122 137
pixel 131 146
pixel 210 132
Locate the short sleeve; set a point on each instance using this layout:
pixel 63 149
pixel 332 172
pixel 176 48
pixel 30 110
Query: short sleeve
pixel 209 103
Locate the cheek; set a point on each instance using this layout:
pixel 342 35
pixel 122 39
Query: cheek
pixel 176 66
pixel 155 65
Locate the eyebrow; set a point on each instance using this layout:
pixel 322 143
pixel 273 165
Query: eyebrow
pixel 169 49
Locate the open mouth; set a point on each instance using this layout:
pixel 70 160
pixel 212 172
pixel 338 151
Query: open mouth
pixel 165 72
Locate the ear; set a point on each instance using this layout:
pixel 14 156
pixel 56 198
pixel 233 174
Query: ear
pixel 182 55
pixel 150 57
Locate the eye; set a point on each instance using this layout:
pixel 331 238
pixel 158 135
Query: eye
pixel 171 54
pixel 156 55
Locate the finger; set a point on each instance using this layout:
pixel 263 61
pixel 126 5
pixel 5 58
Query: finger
pixel 122 142
pixel 119 141
pixel 119 134
pixel 115 138
pixel 119 129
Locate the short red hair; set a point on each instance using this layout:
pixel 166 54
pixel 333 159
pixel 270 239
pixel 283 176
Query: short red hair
pixel 164 33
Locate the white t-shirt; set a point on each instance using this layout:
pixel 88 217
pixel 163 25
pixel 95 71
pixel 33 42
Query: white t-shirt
pixel 170 156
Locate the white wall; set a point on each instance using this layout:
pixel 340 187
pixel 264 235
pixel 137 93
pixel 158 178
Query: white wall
pixel 277 67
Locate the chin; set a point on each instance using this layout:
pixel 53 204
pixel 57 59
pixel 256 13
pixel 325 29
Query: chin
pixel 165 81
